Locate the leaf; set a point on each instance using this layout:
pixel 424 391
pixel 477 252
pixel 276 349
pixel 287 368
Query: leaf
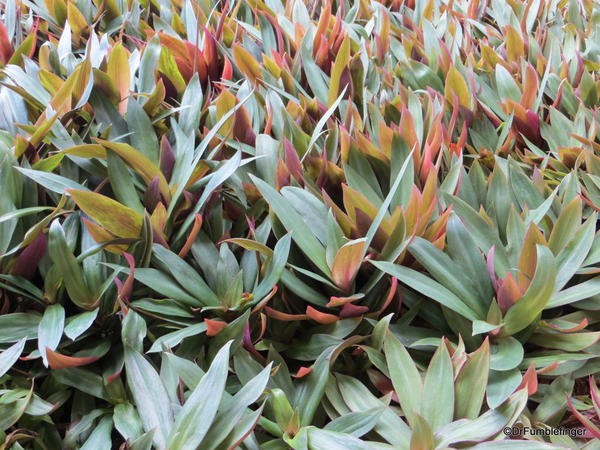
pixel 426 286
pixel 443 270
pixel 347 262
pixel 164 285
pixel 83 380
pixel 359 398
pixel 174 338
pixel 471 382
pixel 77 325
pixel 143 137
pixel 186 276
pixel 312 387
pixel 69 268
pixel 506 84
pixel 506 353
pixel 50 329
pixel 246 63
pixel 17 326
pixel 217 178
pixel 127 421
pixel 531 304
pixel 233 409
pixel 405 378
pixel 57 361
pixel 100 438
pixel 485 426
pixel 195 417
pixel 150 396
pixel 276 267
pixel 114 217
pixel 51 181
pixel 10 356
pixel 562 232
pixel 322 439
pixel 22 212
pixel 118 70
pixel 356 423
pixel 292 221
pixel 456 84
pixel 438 390
pixel 341 61
pixel 422 437
pixel 138 162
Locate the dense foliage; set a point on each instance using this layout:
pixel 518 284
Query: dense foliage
pixel 311 224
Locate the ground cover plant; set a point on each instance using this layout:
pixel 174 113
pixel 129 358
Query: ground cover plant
pixel 325 224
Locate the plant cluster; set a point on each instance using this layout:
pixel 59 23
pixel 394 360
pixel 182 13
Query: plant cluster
pixel 266 224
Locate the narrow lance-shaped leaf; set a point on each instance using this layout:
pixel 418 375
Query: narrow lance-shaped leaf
pixel 50 329
pixel 150 396
pixel 195 418
pixel 405 378
pixel 69 268
pixel 10 356
pixel 536 297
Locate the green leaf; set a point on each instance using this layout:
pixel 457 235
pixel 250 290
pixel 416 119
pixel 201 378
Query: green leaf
pixel 444 271
pixel 127 421
pixel 217 178
pixel 186 276
pixel 17 326
pixel 196 416
pixel 68 267
pixel 161 283
pixel 143 137
pixel 438 390
pixel 78 324
pixel 506 353
pixel 23 212
pixel 50 329
pixel 51 181
pixel 570 259
pixel 356 423
pixel 507 86
pixel 173 339
pixel 100 438
pixel 575 293
pixel 501 385
pixel 232 409
pixel 311 388
pixel 471 382
pixel 322 439
pixel 10 356
pixel 405 378
pixel 83 380
pixel 150 396
pixel 133 331
pixel 292 221
pixel 276 267
pixel 359 398
pixel 531 304
pixel 485 426
pixel 426 286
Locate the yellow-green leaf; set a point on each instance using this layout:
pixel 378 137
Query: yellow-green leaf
pixel 118 70
pixel 346 263
pixel 140 163
pixel 246 63
pixel 455 83
pixel 341 61
pixel 116 218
